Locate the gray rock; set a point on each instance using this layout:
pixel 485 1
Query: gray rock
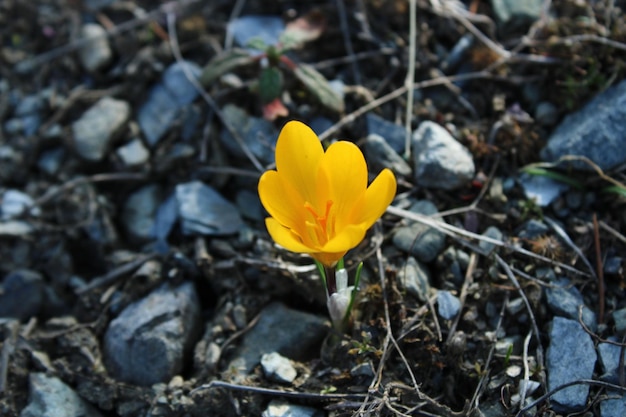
pixel 515 13
pixel 510 345
pixel 16 228
pixel 53 132
pixel 319 124
pixel 452 264
pixel 595 131
pixel 264 28
pixel 133 153
pixel 570 357
pixel 249 205
pixel 515 307
pixel 15 203
pixel 381 155
pixel 493 233
pixel 545 273
pixel 421 241
pixel 609 359
pixel 202 210
pixel 278 408
pixel 278 368
pixel 12 164
pixel 100 228
pixel 148 341
pixel 414 276
pixel 394 134
pixel 258 134
pixel 157 114
pixel 50 397
pixel 95 5
pixel 448 306
pixel 364 369
pixel 176 155
pixel 564 300
pixel 292 333
pixel 96 53
pixel 28 111
pixel 27 115
pixel 22 294
pixel 139 212
pixel 31 104
pixel 176 82
pixel 51 161
pixel 619 316
pixel 613 265
pixel 98 127
pixel 439 160
pixel 492 408
pixel 26 125
pixel 166 217
pixel 614 405
pixel 543 190
pixel 166 100
pixel 190 118
pixel 546 114
pixel 533 229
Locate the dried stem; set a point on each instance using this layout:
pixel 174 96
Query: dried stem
pixel 599 270
pixel 410 77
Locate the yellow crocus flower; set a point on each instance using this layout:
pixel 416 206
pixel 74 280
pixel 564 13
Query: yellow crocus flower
pixel 319 202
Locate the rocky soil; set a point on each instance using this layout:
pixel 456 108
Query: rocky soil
pixel 137 277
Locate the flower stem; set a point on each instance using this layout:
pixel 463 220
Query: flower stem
pixel 322 270
pixel 355 289
pixel 331 282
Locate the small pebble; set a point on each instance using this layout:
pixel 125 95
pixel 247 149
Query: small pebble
pixel 96 129
pixel 381 155
pixel 134 153
pixel 279 408
pixel 448 306
pixel 595 131
pixel 49 396
pixel 414 276
pixel 439 160
pixel 278 368
pixel 571 356
pixel 96 53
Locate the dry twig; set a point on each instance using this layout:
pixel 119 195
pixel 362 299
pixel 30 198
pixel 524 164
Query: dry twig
pixel 531 314
pixel 599 270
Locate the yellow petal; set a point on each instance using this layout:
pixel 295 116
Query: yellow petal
pixel 328 259
pixel 343 178
pixel 280 200
pixel 298 153
pixel 376 199
pixel 347 239
pixel 285 237
pixel 346 169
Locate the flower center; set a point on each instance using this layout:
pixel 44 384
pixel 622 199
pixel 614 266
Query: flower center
pixel 320 228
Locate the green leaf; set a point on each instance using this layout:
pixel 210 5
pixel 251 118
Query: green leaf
pixel 557 176
pixel 355 289
pixel 224 63
pixel 615 189
pixel 322 272
pixel 257 43
pixel 319 87
pixel 270 84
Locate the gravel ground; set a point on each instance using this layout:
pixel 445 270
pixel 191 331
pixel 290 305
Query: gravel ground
pixel 138 278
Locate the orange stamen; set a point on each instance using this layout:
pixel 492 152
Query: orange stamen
pixel 321 222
